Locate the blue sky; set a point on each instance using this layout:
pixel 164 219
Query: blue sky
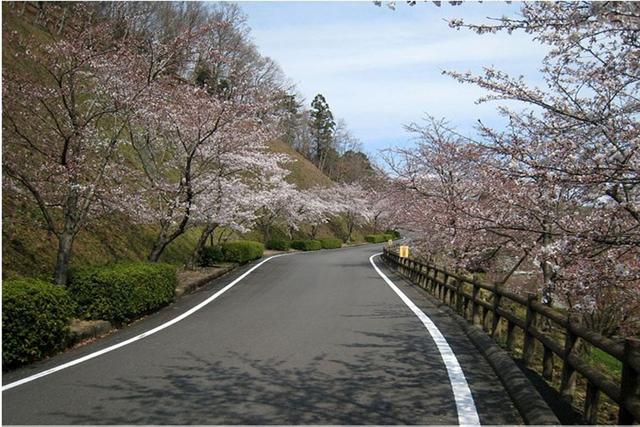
pixel 381 69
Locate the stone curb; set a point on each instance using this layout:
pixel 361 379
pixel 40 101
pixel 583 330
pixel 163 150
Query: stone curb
pixel 81 330
pixel 532 407
pixel 192 286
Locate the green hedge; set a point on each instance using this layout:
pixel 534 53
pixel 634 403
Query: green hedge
pixel 211 255
pixel 35 319
pixel 395 234
pixel 242 251
pixel 378 238
pixel 306 245
pixel 278 245
pixel 331 243
pixel 122 292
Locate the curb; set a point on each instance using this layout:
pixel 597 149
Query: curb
pixel 192 286
pixel 530 404
pixel 81 330
pixel 532 407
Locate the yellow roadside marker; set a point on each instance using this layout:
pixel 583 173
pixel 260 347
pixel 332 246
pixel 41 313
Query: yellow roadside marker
pixel 404 251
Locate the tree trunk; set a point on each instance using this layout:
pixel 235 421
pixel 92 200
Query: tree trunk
pixel 350 226
pixel 162 241
pixel 202 241
pixel 158 247
pixel 314 231
pixel 65 242
pixel 548 275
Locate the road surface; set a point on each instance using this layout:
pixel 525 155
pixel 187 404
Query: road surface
pixel 308 338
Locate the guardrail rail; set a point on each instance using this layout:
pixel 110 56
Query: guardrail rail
pixel 497 312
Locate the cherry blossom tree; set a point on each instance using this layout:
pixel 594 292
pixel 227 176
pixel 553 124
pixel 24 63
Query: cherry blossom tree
pixel 559 184
pixel 354 206
pixel 244 177
pixel 64 120
pixel 280 207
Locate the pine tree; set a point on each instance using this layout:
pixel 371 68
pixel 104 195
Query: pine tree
pixel 323 126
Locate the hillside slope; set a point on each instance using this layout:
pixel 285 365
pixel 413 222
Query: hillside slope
pixel 29 250
pixel 304 174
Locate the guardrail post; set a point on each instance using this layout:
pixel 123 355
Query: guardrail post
pixel 591 402
pixel 511 335
pixel 475 315
pixel 568 382
pixel 434 281
pixel 459 284
pixel 485 318
pixel 528 347
pixel 425 276
pixel 495 321
pixel 630 383
pixel 547 364
pixel 445 290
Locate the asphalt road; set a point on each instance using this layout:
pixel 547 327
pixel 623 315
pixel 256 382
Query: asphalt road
pixel 310 338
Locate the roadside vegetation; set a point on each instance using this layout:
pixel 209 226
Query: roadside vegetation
pixel 142 140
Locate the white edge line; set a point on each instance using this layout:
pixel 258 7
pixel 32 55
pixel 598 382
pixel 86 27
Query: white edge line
pixel 467 414
pixel 137 337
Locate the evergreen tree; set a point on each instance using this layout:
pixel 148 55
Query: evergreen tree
pixel 323 126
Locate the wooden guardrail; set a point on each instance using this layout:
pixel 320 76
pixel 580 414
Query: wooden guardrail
pixel 499 307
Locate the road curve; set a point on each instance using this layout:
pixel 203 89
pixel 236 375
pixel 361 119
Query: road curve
pixel 311 338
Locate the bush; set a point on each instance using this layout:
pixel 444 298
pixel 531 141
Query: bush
pixel 376 238
pixel 211 255
pixel 278 245
pixel 394 233
pixel 306 245
pixel 122 292
pixel 242 251
pixel 331 243
pixel 35 319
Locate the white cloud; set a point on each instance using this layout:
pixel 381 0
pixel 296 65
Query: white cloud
pixel 381 69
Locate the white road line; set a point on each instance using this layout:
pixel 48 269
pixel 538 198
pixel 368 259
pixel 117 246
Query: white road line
pixel 467 414
pixel 137 337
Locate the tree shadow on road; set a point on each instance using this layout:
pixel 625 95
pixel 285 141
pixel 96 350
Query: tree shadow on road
pixel 393 377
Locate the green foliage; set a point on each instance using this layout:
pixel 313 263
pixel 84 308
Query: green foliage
pixel 211 255
pixel 242 251
pixel 306 245
pixel 378 238
pixel 35 319
pixel 608 363
pixel 394 233
pixel 331 243
pixel 124 291
pixel 278 245
pixel 323 126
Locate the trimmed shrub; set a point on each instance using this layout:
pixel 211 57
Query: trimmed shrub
pixel 378 238
pixel 278 245
pixel 375 238
pixel 306 245
pixel 35 320
pixel 331 243
pixel 121 292
pixel 242 251
pixel 211 255
pixel 394 233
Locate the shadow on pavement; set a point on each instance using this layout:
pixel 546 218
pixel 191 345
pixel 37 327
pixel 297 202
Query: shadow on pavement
pixel 379 378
